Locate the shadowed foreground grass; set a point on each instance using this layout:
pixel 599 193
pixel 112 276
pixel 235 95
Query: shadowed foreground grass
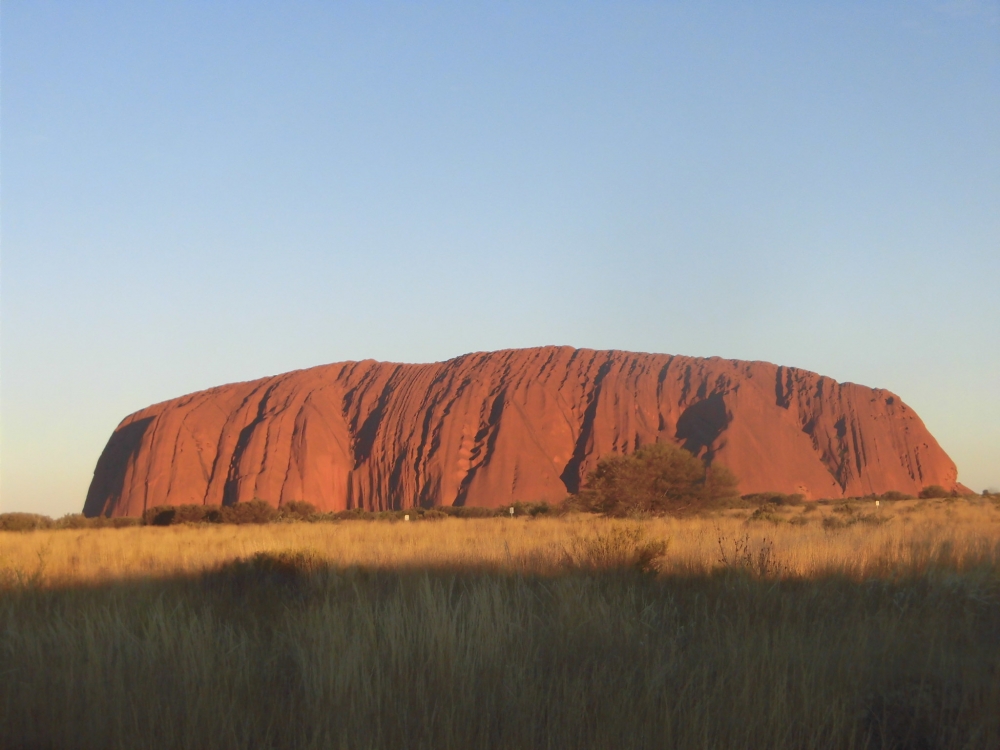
pixel 604 645
pixel 264 656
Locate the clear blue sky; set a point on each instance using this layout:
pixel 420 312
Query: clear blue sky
pixel 199 193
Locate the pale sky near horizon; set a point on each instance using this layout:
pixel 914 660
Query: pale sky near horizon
pixel 199 193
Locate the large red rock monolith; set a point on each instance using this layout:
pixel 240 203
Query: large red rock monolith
pixel 493 428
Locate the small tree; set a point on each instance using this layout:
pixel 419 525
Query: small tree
pixel 933 491
pixel 658 478
pixel 298 509
pixel 255 511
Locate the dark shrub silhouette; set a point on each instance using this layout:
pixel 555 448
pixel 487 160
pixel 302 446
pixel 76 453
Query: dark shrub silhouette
pixel 298 510
pixel 159 516
pixel 471 511
pixel 255 511
pixel 166 515
pixel 24 522
pixel 934 491
pixel 775 498
pixel 894 495
pixel 656 479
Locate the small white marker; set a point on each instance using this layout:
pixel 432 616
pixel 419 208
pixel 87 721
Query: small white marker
pixel 512 511
pixel 876 503
pixel 406 517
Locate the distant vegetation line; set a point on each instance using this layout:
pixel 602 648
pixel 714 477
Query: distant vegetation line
pixel 656 480
pixel 258 511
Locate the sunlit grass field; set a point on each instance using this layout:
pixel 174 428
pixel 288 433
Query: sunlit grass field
pixel 823 626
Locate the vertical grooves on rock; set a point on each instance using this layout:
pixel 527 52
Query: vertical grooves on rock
pixel 230 492
pixel 490 428
pixel 571 474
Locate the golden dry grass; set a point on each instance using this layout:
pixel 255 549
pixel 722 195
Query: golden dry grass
pixel 864 631
pixel 864 541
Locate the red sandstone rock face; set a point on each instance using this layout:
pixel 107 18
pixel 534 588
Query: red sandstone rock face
pixel 492 428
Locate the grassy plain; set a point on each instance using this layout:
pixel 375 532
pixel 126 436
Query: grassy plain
pixel 824 626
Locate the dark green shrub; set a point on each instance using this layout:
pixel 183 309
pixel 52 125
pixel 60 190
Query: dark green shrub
pixel 775 498
pixel 161 515
pixel 933 491
pixel 463 511
pixel 190 513
pixel 764 513
pixel 524 509
pixel 167 515
pixel 298 510
pixel 893 495
pixel 77 521
pixel 658 478
pixel 354 514
pixel 574 504
pixel 24 522
pixel 392 515
pixel 255 511
pixel 80 521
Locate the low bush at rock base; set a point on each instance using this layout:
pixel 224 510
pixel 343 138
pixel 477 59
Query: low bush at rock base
pixel 656 479
pixel 933 491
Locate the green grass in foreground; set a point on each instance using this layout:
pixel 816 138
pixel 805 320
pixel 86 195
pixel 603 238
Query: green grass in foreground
pixel 282 652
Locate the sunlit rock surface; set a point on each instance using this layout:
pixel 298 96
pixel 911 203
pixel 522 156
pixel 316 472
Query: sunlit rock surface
pixel 491 428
